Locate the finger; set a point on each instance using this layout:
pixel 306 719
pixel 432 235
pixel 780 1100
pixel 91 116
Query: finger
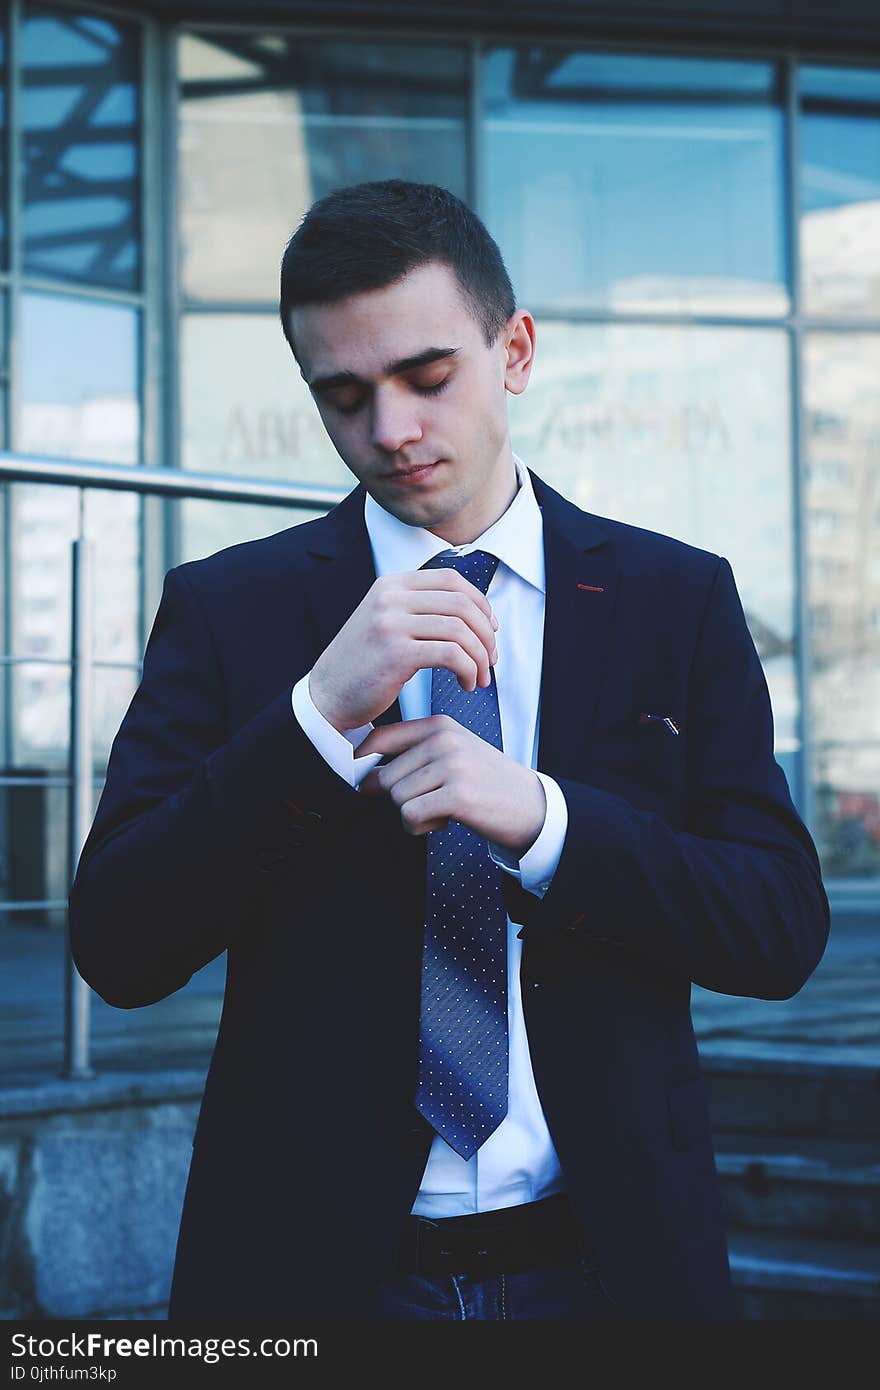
pixel 435 603
pixel 446 628
pixel 402 765
pixel 448 580
pixel 391 739
pixel 430 811
pixel 416 783
pixel 454 658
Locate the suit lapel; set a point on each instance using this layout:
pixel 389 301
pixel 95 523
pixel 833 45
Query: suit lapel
pixel 581 584
pixel 581 591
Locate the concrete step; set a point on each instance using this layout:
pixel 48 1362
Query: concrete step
pixel 828 1188
pixel 792 1090
pixel 787 1276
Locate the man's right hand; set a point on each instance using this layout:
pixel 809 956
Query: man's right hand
pixel 405 623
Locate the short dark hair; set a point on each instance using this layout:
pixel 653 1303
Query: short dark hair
pixel 371 235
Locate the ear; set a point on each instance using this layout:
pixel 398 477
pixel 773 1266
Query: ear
pixel 519 345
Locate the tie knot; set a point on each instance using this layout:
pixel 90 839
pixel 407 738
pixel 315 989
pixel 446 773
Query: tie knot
pixel 477 567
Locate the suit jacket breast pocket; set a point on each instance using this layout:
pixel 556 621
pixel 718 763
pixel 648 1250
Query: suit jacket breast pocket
pixel 642 761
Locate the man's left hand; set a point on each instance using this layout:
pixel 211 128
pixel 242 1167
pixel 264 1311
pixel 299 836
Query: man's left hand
pixel 441 771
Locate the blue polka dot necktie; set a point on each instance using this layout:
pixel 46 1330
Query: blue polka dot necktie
pixel 462 1086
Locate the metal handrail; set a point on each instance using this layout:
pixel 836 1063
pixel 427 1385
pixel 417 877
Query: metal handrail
pixel 148 481
pixel 162 482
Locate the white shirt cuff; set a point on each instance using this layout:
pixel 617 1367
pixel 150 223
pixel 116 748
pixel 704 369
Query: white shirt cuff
pixel 335 748
pixel 537 866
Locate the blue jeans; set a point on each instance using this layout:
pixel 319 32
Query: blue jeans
pixel 573 1291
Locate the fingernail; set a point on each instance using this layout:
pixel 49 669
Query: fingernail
pixel 494 622
pixel 495 655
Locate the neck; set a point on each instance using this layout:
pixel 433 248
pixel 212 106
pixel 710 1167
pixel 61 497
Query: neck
pixel 463 531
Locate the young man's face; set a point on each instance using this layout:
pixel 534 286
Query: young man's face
pixel 414 400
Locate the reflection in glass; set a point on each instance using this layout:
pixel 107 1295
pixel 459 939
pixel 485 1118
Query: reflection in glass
pixel 682 430
pixel 4 258
pixel 840 191
pixel 79 379
pixel 39 721
pixel 45 522
pixel 206 526
pixel 636 183
pixel 245 407
pixel 114 689
pixel 270 122
pixel 842 414
pixel 80 117
pixel 4 374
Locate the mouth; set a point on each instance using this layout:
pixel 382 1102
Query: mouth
pixel 412 475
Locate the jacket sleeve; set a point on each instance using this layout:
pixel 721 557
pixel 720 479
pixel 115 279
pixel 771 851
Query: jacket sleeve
pixel 735 900
pixel 191 818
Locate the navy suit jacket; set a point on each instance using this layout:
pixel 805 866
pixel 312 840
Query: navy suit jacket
pixel 221 828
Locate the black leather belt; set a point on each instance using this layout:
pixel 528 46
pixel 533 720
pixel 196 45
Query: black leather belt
pixel 491 1242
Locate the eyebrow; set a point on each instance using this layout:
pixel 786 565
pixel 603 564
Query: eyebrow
pixel 403 364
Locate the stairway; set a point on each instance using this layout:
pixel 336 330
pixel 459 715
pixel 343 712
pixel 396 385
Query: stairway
pixel 797 1143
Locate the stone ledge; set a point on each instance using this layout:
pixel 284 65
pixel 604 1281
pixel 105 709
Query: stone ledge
pixel 47 1095
pixel 788 1059
pixel 765 1260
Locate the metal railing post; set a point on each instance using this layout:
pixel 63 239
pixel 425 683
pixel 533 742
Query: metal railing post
pixel 78 994
pixel 145 482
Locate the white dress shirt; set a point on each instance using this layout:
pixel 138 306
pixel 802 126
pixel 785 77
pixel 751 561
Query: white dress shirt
pixel 518 1162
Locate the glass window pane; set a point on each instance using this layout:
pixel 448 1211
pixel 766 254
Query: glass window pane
pixel 34 851
pixel 842 412
pixel 4 255
pixel 45 521
pixel 39 729
pixel 80 119
pixel 39 718
pixel 684 431
pixel 245 407
pixel 840 191
pixel 33 951
pixel 270 122
pixel 79 379
pixel 4 375
pixel 636 183
pixel 113 690
pixel 206 526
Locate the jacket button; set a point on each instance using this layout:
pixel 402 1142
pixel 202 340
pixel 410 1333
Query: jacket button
pixel 536 984
pixel 269 859
pixel 315 815
pixel 417 1136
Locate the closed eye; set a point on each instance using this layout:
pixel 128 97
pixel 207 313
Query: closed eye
pixel 353 406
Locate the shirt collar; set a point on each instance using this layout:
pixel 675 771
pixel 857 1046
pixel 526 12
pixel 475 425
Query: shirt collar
pixel 517 537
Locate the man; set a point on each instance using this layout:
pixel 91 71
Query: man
pixel 471 785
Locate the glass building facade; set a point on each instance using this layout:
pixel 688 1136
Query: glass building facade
pixel 696 232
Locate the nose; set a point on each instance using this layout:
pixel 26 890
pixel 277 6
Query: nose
pixel 395 418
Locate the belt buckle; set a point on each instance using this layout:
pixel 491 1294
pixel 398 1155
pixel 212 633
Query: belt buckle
pixel 475 1261
pixel 455 1252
